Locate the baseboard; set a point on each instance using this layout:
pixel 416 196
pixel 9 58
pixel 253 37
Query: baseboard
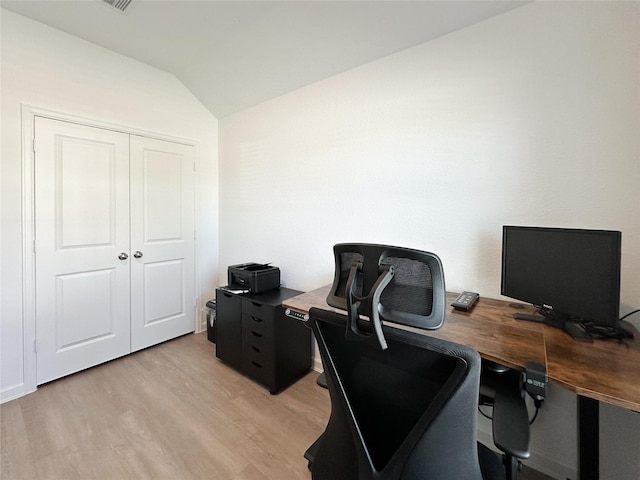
pixel 15 392
pixel 317 365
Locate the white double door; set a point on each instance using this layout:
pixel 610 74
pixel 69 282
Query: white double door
pixel 114 244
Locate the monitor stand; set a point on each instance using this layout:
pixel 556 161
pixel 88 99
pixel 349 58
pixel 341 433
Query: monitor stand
pixel 558 320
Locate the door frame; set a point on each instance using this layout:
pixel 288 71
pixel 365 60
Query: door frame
pixel 28 115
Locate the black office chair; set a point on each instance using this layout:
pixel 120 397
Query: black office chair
pixel 403 404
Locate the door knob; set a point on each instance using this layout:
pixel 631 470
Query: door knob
pixel 137 254
pixel 123 256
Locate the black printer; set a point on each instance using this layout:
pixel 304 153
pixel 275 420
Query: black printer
pixel 255 277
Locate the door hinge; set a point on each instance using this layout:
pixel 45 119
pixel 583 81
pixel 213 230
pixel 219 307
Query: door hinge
pixel 33 145
pixel 35 345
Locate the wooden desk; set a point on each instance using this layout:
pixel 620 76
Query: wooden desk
pixel 602 371
pixel 606 370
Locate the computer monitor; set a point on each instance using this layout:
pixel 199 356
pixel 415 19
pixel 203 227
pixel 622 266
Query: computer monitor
pixel 571 275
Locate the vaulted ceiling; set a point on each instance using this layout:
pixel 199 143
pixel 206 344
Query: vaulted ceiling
pixel 236 54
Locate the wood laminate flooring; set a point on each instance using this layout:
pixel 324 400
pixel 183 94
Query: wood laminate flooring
pixel 173 411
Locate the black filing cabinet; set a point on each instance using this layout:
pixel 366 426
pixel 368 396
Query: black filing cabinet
pixel 254 336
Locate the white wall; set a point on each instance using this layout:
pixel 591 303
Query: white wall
pixel 45 68
pixel 529 118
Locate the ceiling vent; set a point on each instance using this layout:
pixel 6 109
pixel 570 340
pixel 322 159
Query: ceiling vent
pixel 118 4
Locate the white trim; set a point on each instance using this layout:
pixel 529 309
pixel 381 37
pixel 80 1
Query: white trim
pixel 317 361
pixel 90 122
pixel 28 257
pixel 197 315
pixel 28 115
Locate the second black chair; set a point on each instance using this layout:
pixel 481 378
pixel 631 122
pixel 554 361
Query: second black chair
pixel 403 404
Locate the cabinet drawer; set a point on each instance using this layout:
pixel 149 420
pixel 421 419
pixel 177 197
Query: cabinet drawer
pixel 258 309
pixel 254 342
pixel 260 368
pixel 257 322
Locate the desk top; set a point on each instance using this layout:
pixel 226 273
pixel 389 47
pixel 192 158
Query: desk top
pixel 605 370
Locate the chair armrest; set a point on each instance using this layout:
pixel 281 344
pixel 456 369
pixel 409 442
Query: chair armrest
pixel 511 422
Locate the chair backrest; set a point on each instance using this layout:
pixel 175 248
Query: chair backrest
pixel 407 412
pixel 383 282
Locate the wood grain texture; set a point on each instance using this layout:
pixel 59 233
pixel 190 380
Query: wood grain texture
pixel 605 370
pixel 172 411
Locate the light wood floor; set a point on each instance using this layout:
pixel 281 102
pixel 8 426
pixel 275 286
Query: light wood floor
pixel 172 411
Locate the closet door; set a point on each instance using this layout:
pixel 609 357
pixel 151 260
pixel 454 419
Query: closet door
pixel 81 247
pixel 162 241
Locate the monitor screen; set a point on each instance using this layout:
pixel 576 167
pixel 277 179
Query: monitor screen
pixel 574 272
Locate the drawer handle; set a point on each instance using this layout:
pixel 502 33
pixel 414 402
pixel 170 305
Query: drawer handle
pixel 255 349
pixel 257 304
pixel 256 319
pixel 256 364
pixel 256 334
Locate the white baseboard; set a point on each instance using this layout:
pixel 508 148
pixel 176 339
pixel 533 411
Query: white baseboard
pixel 317 364
pixel 14 392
